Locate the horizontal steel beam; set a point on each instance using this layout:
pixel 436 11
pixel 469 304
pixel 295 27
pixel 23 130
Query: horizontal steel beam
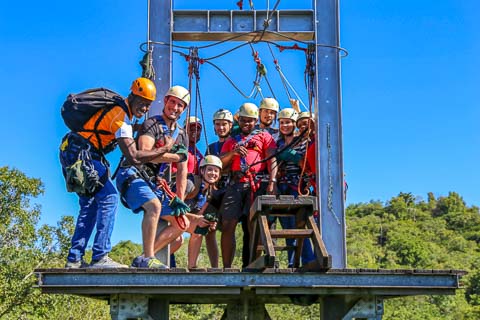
pixel 217 25
pixel 106 282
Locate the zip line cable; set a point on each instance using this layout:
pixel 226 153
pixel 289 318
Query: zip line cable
pixel 286 84
pixel 194 71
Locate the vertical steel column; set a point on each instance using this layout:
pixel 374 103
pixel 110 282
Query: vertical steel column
pixel 160 27
pixel 329 131
pixel 160 30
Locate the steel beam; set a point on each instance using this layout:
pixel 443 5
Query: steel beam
pixel 160 17
pixel 105 282
pixel 216 25
pixel 329 131
pixel 159 27
pixel 366 308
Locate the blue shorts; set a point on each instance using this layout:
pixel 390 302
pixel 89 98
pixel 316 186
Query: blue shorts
pixel 140 191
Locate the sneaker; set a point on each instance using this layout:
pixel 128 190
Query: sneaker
pixel 106 262
pixel 76 264
pixel 150 263
pixel 137 261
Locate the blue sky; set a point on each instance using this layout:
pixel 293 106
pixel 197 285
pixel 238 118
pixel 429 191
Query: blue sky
pixel 409 89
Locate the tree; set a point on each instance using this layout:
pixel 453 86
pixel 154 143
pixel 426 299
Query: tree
pixel 25 246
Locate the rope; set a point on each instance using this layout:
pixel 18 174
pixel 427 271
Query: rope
pixel 148 70
pixel 304 165
pixel 286 84
pixel 294 142
pixel 266 22
pixel 162 183
pixel 194 70
pixel 309 75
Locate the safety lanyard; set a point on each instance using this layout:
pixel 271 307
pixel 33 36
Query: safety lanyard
pixel 166 131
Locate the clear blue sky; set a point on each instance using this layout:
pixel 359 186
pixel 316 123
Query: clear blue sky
pixel 410 89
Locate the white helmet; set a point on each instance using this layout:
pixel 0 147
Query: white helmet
pixel 180 93
pixel 288 113
pixel 269 104
pixel 191 120
pixel 306 114
pixel 211 160
pixel 223 114
pixel 248 110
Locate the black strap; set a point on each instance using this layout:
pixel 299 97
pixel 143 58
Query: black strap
pixel 97 132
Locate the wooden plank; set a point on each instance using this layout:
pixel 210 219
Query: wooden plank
pixel 291 233
pixel 266 236
pixel 321 254
pixel 276 247
pixel 254 239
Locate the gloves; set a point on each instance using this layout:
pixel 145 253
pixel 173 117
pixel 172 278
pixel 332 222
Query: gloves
pixel 178 207
pixel 212 217
pixel 289 155
pixel 181 150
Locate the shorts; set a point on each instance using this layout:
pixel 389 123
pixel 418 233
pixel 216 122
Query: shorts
pixel 140 191
pixel 236 202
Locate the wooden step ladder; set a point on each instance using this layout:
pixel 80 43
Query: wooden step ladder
pixel 263 250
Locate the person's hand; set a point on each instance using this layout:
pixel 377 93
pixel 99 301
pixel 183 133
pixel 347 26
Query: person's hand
pixel 203 222
pixel 179 208
pixel 213 226
pixel 169 141
pixel 241 150
pixel 272 188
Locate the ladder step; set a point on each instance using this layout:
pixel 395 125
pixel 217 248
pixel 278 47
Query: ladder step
pixel 276 248
pixel 291 233
pixel 283 214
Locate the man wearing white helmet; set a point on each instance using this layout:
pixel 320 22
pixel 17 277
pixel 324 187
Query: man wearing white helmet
pixel 138 184
pixel 205 200
pixel 193 126
pixel 246 154
pixel 222 124
pixel 267 114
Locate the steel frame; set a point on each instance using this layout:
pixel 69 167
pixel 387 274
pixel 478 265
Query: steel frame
pixel 342 293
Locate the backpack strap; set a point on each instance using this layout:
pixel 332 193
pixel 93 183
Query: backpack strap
pixel 97 132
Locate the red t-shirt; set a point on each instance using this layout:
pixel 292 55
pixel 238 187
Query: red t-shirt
pixel 192 161
pixel 257 147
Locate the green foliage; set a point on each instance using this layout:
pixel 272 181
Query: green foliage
pixel 405 232
pixel 25 246
pixel 409 233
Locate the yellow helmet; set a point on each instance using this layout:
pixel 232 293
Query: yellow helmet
pixel 211 160
pixel 180 93
pixel 192 120
pixel 269 104
pixel 144 88
pixel 223 114
pixel 248 110
pixel 306 114
pixel 288 113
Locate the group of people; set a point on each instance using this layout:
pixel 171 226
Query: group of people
pixel 164 175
